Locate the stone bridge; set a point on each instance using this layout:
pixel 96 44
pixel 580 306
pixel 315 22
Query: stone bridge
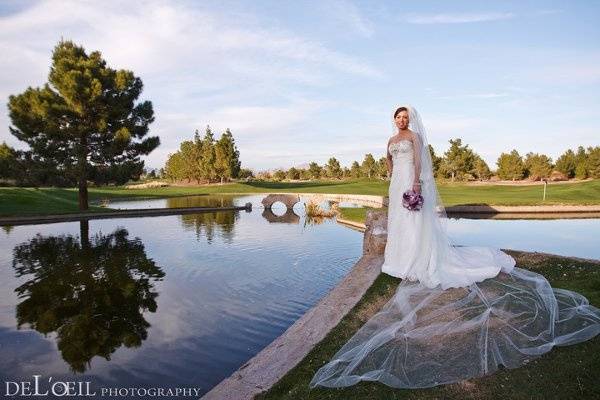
pixel 288 199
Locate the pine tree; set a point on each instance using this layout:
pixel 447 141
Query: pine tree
pixel 227 157
pixel 234 155
pixel 279 175
pixel 84 123
pixel 8 161
pixel 537 166
pixel 189 167
pixel 435 161
pixel 182 164
pixel 314 170
pixel 510 166
pixel 221 160
pixel 197 157
pixel 346 173
pixel 481 169
pixel 293 173
pixel 305 174
pixel 458 160
pixel 593 161
pixel 581 163
pixel 369 167
pixel 333 168
pixel 382 168
pixel 209 171
pixel 355 170
pixel 566 163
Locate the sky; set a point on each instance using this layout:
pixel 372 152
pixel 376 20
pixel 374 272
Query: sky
pixel 299 81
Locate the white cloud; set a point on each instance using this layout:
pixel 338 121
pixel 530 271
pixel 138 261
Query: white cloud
pixel 259 122
pixel 460 18
pixel 197 66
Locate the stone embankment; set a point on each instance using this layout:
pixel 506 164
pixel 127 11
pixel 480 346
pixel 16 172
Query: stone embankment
pixel 149 212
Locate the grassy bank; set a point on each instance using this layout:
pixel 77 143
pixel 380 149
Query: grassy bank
pixel 30 201
pixel 355 214
pixel 563 373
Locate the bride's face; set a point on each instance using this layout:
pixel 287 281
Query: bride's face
pixel 402 120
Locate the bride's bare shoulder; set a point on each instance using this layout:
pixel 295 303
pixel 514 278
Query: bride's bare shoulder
pixel 413 136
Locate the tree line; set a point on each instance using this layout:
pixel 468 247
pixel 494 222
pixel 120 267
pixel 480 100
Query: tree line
pixel 85 125
pixel 460 163
pixel 581 164
pixel 205 160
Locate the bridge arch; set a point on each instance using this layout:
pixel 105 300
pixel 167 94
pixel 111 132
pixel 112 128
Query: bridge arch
pixel 288 199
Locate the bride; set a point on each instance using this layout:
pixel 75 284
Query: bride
pixel 459 312
pixel 417 248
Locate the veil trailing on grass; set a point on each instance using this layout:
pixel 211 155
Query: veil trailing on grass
pixel 427 336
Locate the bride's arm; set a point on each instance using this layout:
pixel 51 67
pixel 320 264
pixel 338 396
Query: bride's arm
pixel 389 162
pixel 417 158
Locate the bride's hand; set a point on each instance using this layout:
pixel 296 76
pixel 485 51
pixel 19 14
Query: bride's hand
pixel 416 187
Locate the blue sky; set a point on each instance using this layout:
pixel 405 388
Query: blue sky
pixel 300 81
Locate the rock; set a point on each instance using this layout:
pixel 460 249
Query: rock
pixel 376 232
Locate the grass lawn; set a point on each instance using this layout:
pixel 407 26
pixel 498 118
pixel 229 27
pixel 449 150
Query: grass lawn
pixel 356 214
pixel 31 201
pixel 569 372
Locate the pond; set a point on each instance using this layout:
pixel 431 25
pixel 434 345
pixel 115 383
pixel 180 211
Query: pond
pixel 183 301
pixel 578 237
pixel 563 235
pixel 171 301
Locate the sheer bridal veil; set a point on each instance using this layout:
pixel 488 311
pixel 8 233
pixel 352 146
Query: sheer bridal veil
pixel 426 336
pixel 428 188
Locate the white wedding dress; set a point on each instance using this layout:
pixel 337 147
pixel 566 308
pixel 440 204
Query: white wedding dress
pixel 415 251
pixel 459 312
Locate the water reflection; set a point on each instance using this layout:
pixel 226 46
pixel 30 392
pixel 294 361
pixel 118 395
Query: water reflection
pixel 289 217
pixel 220 302
pixel 205 225
pixel 85 292
pixel 92 292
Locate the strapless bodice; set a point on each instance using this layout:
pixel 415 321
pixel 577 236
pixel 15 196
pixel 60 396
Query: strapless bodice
pixel 402 148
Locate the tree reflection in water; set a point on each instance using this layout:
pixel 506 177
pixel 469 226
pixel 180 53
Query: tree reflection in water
pixel 207 224
pixel 91 292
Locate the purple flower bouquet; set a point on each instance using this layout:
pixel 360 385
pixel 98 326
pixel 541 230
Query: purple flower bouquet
pixel 412 200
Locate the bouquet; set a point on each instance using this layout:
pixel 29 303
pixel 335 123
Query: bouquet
pixel 412 200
